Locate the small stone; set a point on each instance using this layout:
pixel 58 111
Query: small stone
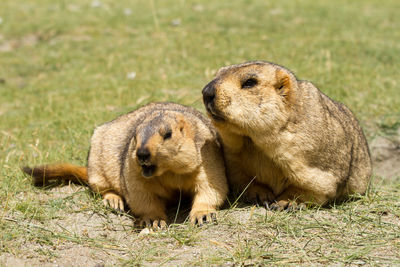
pixel 275 11
pixel 198 8
pixel 72 8
pixel 131 75
pixel 96 3
pixel 145 231
pixel 176 22
pixel 128 11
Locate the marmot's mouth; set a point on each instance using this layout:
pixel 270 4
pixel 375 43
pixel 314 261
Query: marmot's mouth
pixel 214 114
pixel 148 170
pixel 217 117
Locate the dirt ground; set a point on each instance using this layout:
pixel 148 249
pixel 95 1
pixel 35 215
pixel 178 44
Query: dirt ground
pixel 108 239
pixel 386 155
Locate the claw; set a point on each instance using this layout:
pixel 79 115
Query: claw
pixel 200 218
pixel 114 201
pixel 292 206
pixel 199 221
pixel 208 218
pixel 258 194
pixel 297 206
pixel 276 207
pixel 155 225
pixel 145 223
pixel 213 217
pixel 158 224
pixel 163 224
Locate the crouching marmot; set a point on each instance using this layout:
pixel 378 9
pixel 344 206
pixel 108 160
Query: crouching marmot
pixel 145 157
pixel 284 139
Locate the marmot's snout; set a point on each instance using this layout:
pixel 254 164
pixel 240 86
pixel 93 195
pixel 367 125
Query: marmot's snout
pixel 209 93
pixel 143 156
pixel 209 96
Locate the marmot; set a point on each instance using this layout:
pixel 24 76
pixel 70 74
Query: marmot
pixel 283 139
pixel 145 157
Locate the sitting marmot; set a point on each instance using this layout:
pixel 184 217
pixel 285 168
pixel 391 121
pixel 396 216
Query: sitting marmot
pixel 285 140
pixel 146 157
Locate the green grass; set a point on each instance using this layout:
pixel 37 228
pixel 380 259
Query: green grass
pixel 63 70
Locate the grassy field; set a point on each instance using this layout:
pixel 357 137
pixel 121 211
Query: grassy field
pixel 67 66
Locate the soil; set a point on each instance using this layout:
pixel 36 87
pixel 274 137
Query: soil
pixel 385 153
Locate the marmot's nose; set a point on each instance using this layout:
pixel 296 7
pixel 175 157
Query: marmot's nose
pixel 209 93
pixel 143 154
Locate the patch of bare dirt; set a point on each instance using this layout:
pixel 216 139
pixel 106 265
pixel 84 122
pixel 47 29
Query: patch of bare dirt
pixel 385 153
pixel 12 44
pixel 28 40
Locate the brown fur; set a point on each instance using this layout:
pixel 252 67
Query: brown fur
pixel 286 136
pixel 146 157
pixel 65 171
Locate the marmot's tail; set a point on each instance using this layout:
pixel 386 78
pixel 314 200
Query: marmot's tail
pixel 41 175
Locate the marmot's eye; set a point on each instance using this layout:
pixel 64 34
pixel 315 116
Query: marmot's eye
pixel 167 135
pixel 249 83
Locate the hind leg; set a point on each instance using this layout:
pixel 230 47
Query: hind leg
pixel 258 193
pixel 294 198
pixel 290 199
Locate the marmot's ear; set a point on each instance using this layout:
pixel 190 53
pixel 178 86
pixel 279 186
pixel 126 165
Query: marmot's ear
pixel 181 125
pixel 184 126
pixel 283 83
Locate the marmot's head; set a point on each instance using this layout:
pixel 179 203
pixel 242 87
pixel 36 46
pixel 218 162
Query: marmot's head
pixel 165 142
pixel 250 97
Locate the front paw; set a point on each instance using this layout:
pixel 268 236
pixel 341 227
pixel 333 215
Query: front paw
pixel 153 223
pixel 259 194
pixel 110 199
pixel 201 217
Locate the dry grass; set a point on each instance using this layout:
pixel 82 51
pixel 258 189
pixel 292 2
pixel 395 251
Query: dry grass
pixel 68 225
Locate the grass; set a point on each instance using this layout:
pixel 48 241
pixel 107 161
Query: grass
pixel 63 70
